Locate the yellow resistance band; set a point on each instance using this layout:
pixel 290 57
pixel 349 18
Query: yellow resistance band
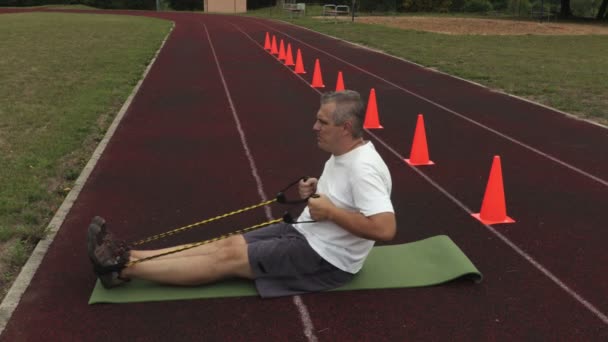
pixel 196 244
pixel 182 229
pixel 280 198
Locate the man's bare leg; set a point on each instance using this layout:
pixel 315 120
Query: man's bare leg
pixel 225 260
pixel 207 248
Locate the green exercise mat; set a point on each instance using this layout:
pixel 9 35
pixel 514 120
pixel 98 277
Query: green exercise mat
pixel 426 262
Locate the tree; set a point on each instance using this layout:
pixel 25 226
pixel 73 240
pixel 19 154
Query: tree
pixel 601 13
pixel 186 5
pixel 566 11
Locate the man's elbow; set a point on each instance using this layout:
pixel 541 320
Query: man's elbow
pixel 389 231
pixel 386 227
pixel 388 234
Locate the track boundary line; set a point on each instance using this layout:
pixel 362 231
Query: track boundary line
pixel 453 112
pixel 297 300
pixel 20 285
pixel 603 317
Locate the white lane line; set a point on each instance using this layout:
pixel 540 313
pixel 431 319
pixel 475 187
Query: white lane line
pixel 462 116
pixel 253 168
pixel 506 240
pixel 302 309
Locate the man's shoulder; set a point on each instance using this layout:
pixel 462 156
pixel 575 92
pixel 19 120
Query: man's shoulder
pixel 369 159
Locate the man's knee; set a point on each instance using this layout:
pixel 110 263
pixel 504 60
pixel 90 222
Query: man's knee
pixel 234 254
pixel 233 249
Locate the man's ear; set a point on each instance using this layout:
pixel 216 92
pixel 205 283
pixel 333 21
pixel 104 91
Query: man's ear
pixel 348 126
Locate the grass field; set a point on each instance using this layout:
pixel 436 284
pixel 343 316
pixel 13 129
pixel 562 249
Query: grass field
pixel 64 77
pixel 569 73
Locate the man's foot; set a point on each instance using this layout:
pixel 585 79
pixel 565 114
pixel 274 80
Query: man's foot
pixel 108 255
pixel 95 235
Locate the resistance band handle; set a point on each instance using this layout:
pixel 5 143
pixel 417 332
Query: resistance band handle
pixel 287 218
pixel 281 198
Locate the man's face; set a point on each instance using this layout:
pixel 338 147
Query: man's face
pixel 328 134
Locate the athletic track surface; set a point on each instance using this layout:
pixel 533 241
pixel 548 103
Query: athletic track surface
pixel 219 124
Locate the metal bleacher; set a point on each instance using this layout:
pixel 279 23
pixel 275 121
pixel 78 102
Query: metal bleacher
pixel 335 10
pixel 294 8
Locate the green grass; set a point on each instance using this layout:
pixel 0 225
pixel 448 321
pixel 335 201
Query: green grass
pixel 64 77
pixel 17 254
pixel 569 73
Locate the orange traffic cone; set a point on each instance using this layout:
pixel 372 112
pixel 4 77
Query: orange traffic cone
pixel 281 51
pixel 273 46
pixel 317 78
pixel 493 208
pixel 371 115
pixel 267 42
pixel 420 152
pixel 299 65
pixel 289 56
pixel 339 82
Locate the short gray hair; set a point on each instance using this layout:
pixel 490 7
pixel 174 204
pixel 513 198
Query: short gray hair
pixel 348 107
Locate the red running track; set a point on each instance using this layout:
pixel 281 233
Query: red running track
pixel 169 161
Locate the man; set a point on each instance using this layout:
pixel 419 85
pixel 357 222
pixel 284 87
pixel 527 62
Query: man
pixel 352 208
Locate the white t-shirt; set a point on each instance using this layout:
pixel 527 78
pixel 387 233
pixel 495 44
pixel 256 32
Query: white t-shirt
pixel 358 181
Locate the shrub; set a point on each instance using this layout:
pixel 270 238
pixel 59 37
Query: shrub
pixel 186 5
pixel 519 7
pixel 500 5
pixel 478 6
pixel 457 5
pixel 426 5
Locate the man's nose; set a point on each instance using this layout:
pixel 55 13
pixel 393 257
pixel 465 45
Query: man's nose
pixel 316 127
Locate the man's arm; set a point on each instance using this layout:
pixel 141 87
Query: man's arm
pixel 378 227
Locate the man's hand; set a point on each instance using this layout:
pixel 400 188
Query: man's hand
pixel 320 207
pixel 308 187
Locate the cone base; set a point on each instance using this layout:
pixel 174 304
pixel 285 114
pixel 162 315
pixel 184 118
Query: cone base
pixel 300 72
pixel 289 64
pixel 430 162
pixel 318 86
pixel 373 127
pixel 506 220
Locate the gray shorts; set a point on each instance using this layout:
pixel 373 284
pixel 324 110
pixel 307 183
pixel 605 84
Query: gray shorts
pixel 284 264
